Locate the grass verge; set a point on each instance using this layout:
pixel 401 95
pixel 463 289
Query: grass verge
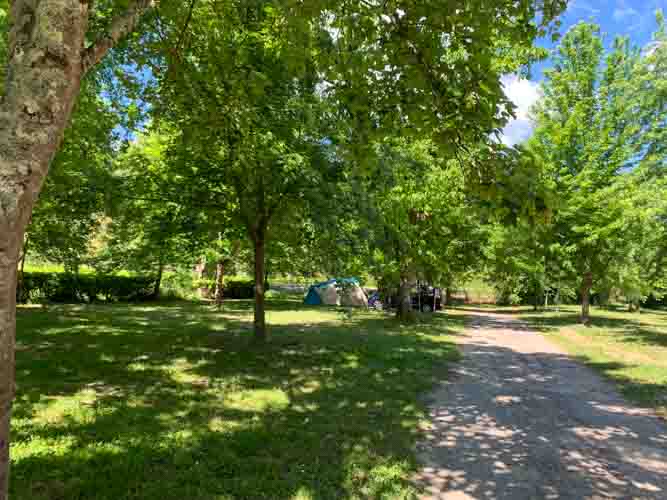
pixel 629 348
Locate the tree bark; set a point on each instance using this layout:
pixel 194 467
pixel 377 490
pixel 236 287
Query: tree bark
pixel 404 306
pixel 587 284
pixel 46 60
pixel 9 249
pixel 219 283
pixel 44 76
pixel 261 333
pixel 158 280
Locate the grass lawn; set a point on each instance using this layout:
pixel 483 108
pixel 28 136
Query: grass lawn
pixel 629 348
pixel 174 402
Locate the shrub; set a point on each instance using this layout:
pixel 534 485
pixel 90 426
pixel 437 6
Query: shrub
pixel 67 287
pixel 238 289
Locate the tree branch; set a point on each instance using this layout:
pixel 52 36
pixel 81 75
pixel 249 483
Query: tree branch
pixel 121 25
pixel 185 26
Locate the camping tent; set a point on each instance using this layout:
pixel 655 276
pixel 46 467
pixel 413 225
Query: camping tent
pixel 326 293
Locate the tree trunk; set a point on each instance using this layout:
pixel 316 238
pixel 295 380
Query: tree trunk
pixel 9 249
pixel 21 271
pixel 43 80
pixel 158 281
pixel 404 306
pixel 219 283
pixel 47 59
pixel 587 284
pixel 261 334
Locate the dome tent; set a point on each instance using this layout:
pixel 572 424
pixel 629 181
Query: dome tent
pixel 326 293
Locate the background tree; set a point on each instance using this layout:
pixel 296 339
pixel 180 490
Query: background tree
pixel 263 144
pixel 72 200
pixel 149 225
pixel 592 127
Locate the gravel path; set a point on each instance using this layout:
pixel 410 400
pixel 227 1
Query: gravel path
pixel 520 419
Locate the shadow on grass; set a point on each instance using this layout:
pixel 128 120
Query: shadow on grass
pixel 174 402
pixel 492 309
pixel 632 333
pixel 630 327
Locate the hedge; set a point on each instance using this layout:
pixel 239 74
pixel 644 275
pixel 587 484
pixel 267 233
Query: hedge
pixel 233 289
pixel 67 287
pixel 237 289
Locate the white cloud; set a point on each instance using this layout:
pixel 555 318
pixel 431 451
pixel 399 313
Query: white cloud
pixel 621 13
pixel 523 93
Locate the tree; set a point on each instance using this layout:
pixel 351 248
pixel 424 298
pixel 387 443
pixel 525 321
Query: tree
pixel 642 272
pixel 51 46
pixel 248 121
pixel 147 226
pixel 72 200
pixel 406 215
pixel 382 68
pixel 598 120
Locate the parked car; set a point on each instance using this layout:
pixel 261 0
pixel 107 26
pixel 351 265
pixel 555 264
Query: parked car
pixel 424 298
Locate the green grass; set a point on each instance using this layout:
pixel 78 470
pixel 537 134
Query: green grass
pixel 629 348
pixel 175 402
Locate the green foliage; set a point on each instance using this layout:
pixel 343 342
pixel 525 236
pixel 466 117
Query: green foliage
pixel 72 201
pixel 149 224
pixel 596 138
pixel 416 215
pixel 72 288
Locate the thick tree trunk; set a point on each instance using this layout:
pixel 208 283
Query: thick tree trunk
pixel 44 76
pixel 586 285
pixel 9 249
pixel 261 334
pixel 219 283
pixel 46 61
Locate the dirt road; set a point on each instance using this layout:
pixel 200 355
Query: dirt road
pixel 519 419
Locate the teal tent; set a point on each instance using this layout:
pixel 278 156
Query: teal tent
pixel 313 298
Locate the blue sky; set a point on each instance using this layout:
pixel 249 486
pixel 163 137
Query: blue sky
pixel 633 18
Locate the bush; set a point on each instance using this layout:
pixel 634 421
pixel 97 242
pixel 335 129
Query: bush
pixel 67 287
pixel 238 289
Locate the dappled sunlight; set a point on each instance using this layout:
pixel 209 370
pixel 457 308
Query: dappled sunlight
pixel 519 419
pixel 131 392
pixel 258 400
pixel 629 348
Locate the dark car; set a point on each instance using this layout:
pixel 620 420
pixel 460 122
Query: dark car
pixel 424 298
